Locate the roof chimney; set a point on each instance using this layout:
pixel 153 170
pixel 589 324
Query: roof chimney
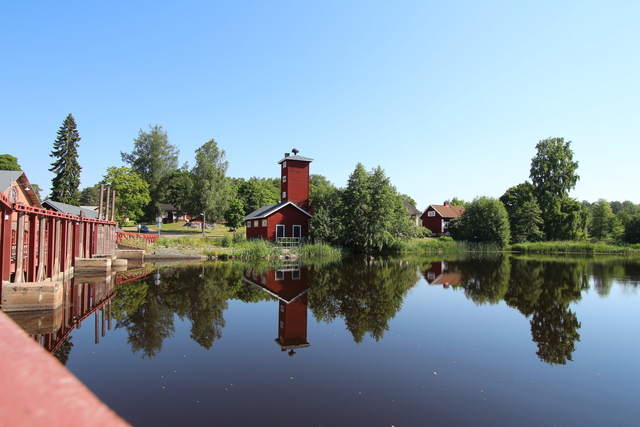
pixel 446 203
pixel 286 154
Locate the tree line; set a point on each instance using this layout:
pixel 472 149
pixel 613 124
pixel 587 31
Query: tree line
pixel 541 210
pixel 367 215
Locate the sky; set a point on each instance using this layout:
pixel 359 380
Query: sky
pixel 449 98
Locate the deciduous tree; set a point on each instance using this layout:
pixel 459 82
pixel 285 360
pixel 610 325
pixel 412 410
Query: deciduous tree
pixel 485 220
pixel 525 216
pixel 132 192
pixel 211 186
pixel 153 158
pixel 553 173
pixel 9 163
pixel 66 167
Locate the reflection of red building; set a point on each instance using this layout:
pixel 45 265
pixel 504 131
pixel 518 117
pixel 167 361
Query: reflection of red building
pixel 292 216
pixel 439 274
pixel 289 285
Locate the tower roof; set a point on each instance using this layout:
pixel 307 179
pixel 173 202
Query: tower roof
pixel 295 157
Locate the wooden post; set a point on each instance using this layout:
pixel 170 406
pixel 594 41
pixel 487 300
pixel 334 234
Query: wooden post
pixel 100 206
pixel 42 251
pixel 33 247
pixel 5 243
pixel 19 275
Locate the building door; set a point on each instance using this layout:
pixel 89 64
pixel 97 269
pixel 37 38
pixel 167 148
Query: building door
pixel 297 231
pixel 279 231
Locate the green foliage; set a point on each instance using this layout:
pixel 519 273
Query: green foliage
pixel 604 223
pixel 9 163
pixel 372 214
pixel 632 231
pixel 257 192
pixel 553 173
pixel 132 192
pixel 485 220
pixel 211 186
pixel 90 196
pixel 65 184
pixel 153 158
pixel 326 201
pixel 237 238
pixel 180 188
pixel 525 216
pixel 225 241
pixel 234 213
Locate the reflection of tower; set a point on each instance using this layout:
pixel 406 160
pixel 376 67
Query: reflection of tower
pixel 292 325
pixel 289 284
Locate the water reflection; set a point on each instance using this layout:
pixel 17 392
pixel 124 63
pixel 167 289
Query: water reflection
pixel 366 293
pixel 289 284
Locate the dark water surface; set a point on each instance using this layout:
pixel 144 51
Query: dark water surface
pixel 371 342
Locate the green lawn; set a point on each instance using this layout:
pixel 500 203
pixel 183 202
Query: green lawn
pixel 178 229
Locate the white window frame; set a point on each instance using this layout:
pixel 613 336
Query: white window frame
pixel 299 227
pixel 284 165
pixel 284 194
pixel 264 222
pixel 284 178
pixel 255 223
pixel 248 224
pixel 431 213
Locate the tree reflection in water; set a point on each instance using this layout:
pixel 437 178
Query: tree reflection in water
pixel 368 292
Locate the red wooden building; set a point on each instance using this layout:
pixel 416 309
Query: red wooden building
pixel 291 217
pixel 436 217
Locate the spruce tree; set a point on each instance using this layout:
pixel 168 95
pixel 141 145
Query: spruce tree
pixel 66 167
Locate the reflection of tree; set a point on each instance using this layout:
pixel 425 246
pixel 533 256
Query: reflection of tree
pixel 199 294
pixel 486 281
pixel 544 290
pixel 366 293
pixel 62 353
pixel 554 327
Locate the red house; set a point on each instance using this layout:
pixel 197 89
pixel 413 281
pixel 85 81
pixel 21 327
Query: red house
pixel 436 217
pixel 291 218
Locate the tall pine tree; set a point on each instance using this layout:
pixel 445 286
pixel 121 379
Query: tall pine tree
pixel 66 167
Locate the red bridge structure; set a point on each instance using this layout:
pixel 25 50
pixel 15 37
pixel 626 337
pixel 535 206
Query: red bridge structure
pixel 38 245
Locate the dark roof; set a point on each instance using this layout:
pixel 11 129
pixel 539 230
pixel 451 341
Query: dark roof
pixel 411 209
pixel 69 209
pixel 296 157
pixel 265 211
pixel 167 207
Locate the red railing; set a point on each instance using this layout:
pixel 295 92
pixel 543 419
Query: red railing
pixel 139 239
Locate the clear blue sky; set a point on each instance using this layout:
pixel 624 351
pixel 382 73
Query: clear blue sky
pixel 449 98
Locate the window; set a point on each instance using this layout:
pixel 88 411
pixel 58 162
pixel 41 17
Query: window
pixel 431 213
pixel 284 194
pixel 248 224
pixel 297 231
pixel 446 225
pixel 264 222
pixel 284 178
pixel 284 165
pixel 255 223
pixel 279 274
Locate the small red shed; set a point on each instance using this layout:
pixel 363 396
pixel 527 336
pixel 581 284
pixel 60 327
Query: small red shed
pixel 291 217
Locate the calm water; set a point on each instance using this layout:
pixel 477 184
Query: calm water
pixel 371 342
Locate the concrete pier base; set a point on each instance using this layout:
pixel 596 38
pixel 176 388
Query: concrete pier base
pixel 32 296
pixel 92 265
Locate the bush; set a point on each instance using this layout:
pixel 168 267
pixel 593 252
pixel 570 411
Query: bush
pixel 237 238
pixel 128 223
pixel 225 241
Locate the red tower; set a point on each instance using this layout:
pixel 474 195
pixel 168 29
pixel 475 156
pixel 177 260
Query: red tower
pixel 294 174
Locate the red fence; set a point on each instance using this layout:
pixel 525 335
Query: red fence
pixel 38 244
pixel 136 239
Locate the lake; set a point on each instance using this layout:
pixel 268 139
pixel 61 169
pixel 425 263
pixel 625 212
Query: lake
pixel 484 341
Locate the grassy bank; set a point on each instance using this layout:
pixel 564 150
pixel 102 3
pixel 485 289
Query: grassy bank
pixel 571 247
pixel 237 247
